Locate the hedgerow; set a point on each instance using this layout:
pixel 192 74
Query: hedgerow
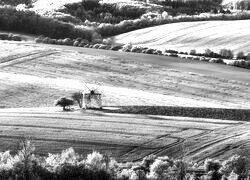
pixel 26 165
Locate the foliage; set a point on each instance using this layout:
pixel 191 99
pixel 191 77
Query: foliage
pixel 29 22
pixel 103 13
pixel 237 164
pixel 68 164
pixel 64 102
pixel 192 6
pixel 10 37
pixel 15 2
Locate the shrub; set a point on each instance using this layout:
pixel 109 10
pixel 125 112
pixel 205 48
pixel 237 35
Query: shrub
pixel 212 169
pixel 150 51
pixel 67 41
pixel 127 47
pixel 136 49
pixel 64 102
pixel 237 164
pixel 173 55
pixel 96 46
pixel 4 36
pixel 115 48
pixel 171 51
pixel 76 43
pixel 216 60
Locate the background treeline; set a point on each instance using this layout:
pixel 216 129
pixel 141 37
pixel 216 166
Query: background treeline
pixel 192 6
pixel 15 2
pixel 106 13
pixel 29 22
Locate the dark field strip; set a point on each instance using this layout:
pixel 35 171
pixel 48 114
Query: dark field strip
pixel 211 113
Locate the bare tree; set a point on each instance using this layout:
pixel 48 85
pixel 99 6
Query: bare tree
pixel 78 97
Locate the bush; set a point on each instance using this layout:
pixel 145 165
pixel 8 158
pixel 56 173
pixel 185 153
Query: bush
pixel 173 55
pixel 67 41
pixel 150 51
pixel 171 51
pixel 136 49
pixel 96 46
pixel 76 43
pixel 4 36
pixel 127 47
pixel 115 48
pixel 216 60
pixel 237 164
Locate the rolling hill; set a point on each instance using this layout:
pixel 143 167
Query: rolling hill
pixel 34 75
pixel 215 35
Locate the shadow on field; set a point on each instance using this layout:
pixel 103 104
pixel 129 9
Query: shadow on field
pixel 212 113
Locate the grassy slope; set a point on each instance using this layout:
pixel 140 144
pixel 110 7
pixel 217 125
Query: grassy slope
pixel 215 35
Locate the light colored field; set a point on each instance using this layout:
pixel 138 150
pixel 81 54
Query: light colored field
pixel 127 137
pixel 39 74
pixel 215 35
